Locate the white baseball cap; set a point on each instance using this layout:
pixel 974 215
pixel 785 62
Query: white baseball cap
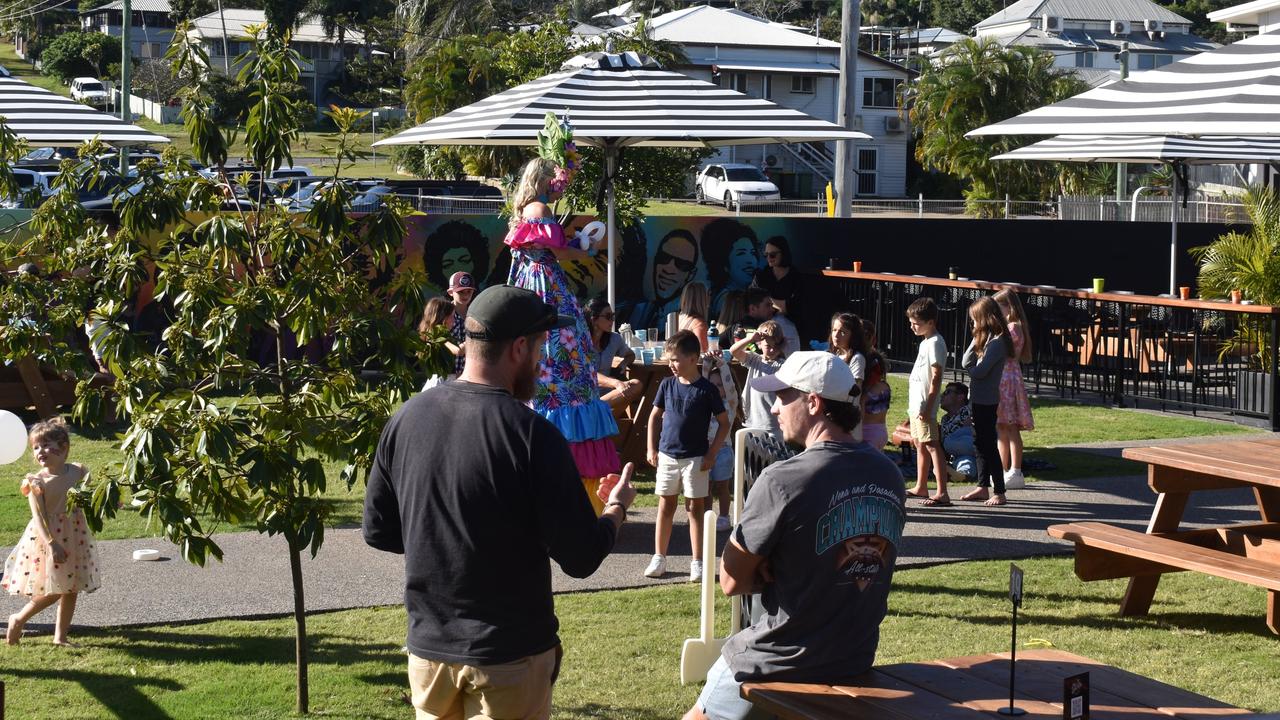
pixel 812 372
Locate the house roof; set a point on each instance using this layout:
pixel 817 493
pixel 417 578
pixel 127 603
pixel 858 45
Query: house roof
pixel 924 36
pixel 309 30
pixel 1084 10
pixel 1082 40
pixel 136 6
pixel 716 26
pixel 1246 14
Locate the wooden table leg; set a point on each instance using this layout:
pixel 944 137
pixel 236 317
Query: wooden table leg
pixel 1268 502
pixel 29 371
pixel 1166 517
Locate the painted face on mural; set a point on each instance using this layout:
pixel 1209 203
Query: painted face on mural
pixel 457 260
pixel 673 265
pixel 742 262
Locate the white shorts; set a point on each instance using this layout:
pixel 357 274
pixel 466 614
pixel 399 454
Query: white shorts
pixel 682 477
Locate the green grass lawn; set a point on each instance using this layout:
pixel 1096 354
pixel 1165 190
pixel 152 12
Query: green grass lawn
pixel 22 69
pixel 622 649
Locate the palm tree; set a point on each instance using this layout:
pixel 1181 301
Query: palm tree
pixel 979 82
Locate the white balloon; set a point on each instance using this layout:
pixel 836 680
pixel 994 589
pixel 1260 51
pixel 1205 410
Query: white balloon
pixel 13 438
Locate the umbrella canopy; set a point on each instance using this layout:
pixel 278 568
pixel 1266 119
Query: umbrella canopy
pixel 44 118
pixel 1175 151
pixel 1232 90
pixel 623 100
pixel 1147 149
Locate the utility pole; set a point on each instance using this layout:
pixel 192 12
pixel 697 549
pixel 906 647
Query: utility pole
pixel 226 53
pixel 126 82
pixel 847 105
pixel 1122 169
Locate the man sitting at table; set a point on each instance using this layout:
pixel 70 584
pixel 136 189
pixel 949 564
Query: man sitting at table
pixel 818 539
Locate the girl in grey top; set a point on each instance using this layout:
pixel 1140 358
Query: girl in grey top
pixel 984 361
pixel 768 338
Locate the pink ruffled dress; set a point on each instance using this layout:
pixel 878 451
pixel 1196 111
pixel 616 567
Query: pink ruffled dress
pixel 30 570
pixel 566 392
pixel 1015 407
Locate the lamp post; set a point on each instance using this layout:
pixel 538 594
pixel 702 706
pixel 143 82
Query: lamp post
pixel 375 138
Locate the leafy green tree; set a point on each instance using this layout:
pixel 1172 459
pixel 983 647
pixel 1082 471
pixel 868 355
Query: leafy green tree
pixel 980 83
pixel 181 10
pixel 370 81
pixel 226 421
pixel 1197 11
pixel 962 15
pixel 77 54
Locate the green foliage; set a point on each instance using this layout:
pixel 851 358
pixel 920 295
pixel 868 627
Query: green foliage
pixel 370 82
pixel 226 421
pixel 181 10
pixel 983 83
pixel 77 54
pixel 1248 262
pixel 1197 11
pixel 962 15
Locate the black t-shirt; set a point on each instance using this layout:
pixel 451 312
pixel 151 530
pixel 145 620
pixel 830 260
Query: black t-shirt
pixel 478 491
pixel 784 288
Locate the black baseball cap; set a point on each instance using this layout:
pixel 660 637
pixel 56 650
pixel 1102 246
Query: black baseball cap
pixel 508 312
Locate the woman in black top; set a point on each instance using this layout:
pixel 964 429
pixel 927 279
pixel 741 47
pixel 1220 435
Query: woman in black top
pixel 778 278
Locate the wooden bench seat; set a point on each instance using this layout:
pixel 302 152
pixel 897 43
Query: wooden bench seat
pixel 1106 552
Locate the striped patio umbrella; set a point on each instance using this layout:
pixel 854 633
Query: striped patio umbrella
pixel 623 100
pixel 47 119
pixel 1232 90
pixel 1178 152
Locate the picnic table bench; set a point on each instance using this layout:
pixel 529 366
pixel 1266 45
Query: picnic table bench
pixel 967 688
pixel 1247 553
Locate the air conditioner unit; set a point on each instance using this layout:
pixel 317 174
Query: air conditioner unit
pixel 1120 27
pixel 771 161
pixel 1153 25
pixel 894 124
pixel 1051 23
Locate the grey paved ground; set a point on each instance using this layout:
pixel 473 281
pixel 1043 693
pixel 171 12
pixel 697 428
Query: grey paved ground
pixel 254 578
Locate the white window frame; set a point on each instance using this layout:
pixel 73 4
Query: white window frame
pixel 869 92
pixel 1084 59
pixel 799 84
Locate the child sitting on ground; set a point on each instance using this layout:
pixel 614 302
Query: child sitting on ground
pixel 957 432
pixel 678 448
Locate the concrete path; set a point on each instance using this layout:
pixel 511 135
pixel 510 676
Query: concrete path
pixel 253 580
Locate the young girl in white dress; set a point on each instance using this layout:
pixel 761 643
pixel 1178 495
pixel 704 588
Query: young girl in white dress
pixel 56 559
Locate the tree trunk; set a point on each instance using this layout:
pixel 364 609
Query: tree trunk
pixel 300 625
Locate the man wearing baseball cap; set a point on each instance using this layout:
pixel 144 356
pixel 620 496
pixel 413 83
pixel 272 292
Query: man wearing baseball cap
pixel 818 539
pixel 462 287
pixel 479 493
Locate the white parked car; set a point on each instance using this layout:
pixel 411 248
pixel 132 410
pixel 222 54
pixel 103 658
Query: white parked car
pixel 291 172
pixel 90 90
pixel 733 184
pixel 34 187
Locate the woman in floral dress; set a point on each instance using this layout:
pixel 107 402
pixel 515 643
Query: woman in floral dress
pixel 566 392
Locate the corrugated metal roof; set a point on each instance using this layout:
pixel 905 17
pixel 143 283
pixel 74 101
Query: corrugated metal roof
pixel 136 6
pixel 711 25
pixel 309 30
pixel 1085 10
pixel 1074 40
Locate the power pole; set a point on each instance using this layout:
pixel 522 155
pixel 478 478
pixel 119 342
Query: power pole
pixel 1122 169
pixel 226 59
pixel 126 82
pixel 847 105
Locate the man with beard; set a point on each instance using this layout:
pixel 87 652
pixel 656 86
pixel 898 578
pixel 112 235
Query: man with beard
pixel 479 493
pixel 818 540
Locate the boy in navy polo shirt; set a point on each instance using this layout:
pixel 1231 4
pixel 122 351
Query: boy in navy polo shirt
pixel 681 416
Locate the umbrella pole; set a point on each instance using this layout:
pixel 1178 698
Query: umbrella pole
pixel 610 166
pixel 1173 236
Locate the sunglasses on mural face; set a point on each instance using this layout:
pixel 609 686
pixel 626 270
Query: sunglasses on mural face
pixel 664 258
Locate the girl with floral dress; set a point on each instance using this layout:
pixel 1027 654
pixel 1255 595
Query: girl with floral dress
pixel 1014 415
pixel 56 559
pixel 567 392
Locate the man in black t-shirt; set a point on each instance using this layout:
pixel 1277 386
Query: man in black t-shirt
pixel 479 493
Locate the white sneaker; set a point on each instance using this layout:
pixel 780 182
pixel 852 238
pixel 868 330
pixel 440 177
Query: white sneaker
pixel 657 567
pixel 723 524
pixel 695 571
pixel 1014 480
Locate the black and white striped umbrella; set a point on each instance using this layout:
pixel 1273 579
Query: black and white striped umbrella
pixel 45 118
pixel 1232 90
pixel 1148 149
pixel 623 100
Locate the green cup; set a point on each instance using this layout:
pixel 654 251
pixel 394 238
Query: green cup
pixel 1098 284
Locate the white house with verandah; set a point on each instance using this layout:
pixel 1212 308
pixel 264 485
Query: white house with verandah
pixel 151 29
pixel 323 57
pixel 1251 17
pixel 800 71
pixel 1086 35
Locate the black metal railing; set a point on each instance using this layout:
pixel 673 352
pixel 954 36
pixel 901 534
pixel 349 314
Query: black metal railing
pixel 1217 358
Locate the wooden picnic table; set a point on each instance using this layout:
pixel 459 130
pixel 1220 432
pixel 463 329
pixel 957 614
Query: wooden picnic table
pixel 967 688
pixel 633 427
pixel 1248 553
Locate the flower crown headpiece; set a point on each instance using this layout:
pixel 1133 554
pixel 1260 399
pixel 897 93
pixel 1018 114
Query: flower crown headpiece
pixel 555 143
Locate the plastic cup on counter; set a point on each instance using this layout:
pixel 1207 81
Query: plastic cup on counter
pixel 1184 292
pixel 1099 284
pixel 857 266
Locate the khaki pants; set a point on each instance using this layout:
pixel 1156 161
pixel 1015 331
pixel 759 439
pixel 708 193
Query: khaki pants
pixel 516 690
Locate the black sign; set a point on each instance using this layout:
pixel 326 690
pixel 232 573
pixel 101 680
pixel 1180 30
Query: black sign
pixel 1015 585
pixel 1075 697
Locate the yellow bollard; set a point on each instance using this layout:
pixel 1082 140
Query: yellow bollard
pixel 831 202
